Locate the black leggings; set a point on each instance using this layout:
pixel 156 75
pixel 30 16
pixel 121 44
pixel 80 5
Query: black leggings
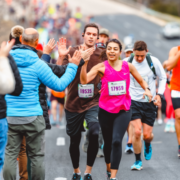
pixel 92 147
pixel 113 128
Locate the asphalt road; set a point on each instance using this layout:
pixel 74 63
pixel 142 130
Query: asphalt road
pixel 163 165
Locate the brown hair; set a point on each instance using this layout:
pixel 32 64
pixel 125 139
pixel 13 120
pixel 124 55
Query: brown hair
pixel 140 46
pixel 115 41
pixel 91 25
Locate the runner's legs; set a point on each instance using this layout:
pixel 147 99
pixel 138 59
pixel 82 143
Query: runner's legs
pixel 136 138
pixel 54 104
pixel 113 128
pixel 177 124
pixel 147 133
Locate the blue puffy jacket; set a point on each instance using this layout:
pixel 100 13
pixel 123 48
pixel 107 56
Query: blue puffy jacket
pixel 33 72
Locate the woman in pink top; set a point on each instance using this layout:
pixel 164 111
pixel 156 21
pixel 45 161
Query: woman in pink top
pixel 114 102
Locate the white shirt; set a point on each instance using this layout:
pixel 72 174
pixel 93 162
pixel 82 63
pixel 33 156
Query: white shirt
pixel 7 81
pixel 136 91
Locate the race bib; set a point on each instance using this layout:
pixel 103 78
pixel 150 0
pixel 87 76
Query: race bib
pixel 117 88
pixel 86 91
pixel 138 85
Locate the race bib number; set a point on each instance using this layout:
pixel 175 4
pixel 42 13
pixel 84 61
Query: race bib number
pixel 117 88
pixel 86 91
pixel 138 85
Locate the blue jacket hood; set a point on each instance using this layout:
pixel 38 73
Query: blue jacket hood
pixel 24 57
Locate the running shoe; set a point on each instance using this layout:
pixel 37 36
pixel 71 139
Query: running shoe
pixel 172 128
pixel 147 152
pixel 167 127
pixel 179 153
pixel 76 177
pixel 137 166
pixel 129 150
pixel 108 175
pixel 87 177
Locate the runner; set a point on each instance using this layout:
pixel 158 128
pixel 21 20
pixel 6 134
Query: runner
pixel 174 63
pixel 115 101
pixel 143 113
pixel 80 106
pixel 103 38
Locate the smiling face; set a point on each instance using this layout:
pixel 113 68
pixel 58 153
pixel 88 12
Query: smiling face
pixel 90 36
pixel 113 51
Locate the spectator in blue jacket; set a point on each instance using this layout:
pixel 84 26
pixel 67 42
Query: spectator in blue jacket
pixel 24 113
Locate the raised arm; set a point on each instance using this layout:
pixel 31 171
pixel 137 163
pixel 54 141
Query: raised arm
pixel 174 56
pixel 48 78
pixel 88 77
pixel 7 80
pixel 141 81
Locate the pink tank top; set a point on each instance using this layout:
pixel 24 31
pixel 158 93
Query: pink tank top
pixel 115 89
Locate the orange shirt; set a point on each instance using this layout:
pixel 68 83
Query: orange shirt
pixel 175 79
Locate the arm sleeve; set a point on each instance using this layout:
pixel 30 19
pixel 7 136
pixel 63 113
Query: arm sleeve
pixel 18 82
pixel 46 58
pixel 7 81
pixel 162 76
pixel 48 78
pixel 58 70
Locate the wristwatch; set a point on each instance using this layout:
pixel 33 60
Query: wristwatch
pixel 148 88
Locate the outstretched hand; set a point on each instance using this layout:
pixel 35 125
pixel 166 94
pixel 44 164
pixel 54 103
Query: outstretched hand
pixel 76 57
pixel 5 48
pixel 86 54
pixel 48 48
pixel 62 50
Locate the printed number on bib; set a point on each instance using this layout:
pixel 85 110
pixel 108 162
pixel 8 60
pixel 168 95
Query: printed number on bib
pixel 138 85
pixel 86 91
pixel 117 88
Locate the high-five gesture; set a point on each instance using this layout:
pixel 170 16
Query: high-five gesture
pixel 76 57
pixel 62 49
pixel 48 48
pixel 86 54
pixel 5 48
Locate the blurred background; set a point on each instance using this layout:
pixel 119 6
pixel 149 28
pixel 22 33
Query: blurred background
pixel 155 21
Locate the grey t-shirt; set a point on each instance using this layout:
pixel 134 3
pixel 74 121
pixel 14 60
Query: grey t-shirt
pixel 20 119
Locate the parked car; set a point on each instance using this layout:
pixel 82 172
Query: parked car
pixel 171 30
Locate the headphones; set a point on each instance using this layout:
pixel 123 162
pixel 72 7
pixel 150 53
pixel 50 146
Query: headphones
pixel 97 37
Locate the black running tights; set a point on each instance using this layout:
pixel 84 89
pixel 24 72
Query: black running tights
pixel 113 128
pixel 92 148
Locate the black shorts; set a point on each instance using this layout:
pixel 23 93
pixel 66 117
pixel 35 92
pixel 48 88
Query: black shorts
pixel 176 103
pixel 59 100
pixel 144 111
pixel 75 120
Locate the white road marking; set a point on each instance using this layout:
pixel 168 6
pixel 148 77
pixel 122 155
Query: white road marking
pixel 60 178
pixel 60 141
